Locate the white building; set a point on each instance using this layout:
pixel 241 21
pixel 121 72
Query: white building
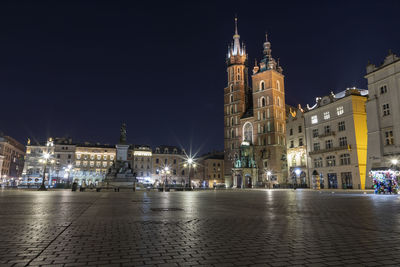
pixel 336 133
pixel 296 148
pixel 383 114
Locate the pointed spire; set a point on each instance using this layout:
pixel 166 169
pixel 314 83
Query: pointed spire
pixel 236 38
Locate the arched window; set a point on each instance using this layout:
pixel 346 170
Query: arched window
pixel 248 132
pixel 278 85
pixel 262 102
pixel 262 85
pixel 232 121
pixel 238 73
pixel 267 100
pixel 231 88
pixel 231 109
pixel 278 101
pixel 231 98
pixel 232 133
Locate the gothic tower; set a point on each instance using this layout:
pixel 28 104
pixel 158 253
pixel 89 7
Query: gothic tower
pixel 236 100
pixel 269 117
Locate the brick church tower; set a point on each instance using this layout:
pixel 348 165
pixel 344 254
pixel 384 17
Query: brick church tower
pixel 254 119
pixel 236 98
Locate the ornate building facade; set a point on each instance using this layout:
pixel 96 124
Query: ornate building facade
pixel 254 119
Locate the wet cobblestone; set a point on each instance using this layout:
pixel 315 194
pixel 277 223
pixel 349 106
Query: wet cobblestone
pixel 201 228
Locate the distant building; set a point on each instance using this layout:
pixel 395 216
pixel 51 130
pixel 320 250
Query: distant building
pixel 142 163
pixel 383 112
pixel 210 170
pixel 92 162
pixel 172 158
pixel 13 153
pixel 296 147
pixel 336 133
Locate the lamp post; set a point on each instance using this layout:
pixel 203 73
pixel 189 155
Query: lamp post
pixel 68 170
pixel 189 163
pixel 166 171
pixel 45 160
pixel 297 172
pixel 268 176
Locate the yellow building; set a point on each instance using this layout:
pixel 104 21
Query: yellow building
pixel 337 137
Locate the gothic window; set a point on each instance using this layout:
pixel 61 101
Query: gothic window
pixel 248 132
pixel 278 101
pixel 238 76
pixel 232 121
pixel 231 88
pixel 263 101
pixel 231 98
pixel 267 100
pixel 232 133
pixel 262 85
pixel 278 86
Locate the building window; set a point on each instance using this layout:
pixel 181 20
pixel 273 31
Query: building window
pixel 386 110
pixel 383 89
pixel 263 115
pixel 300 141
pixel 341 126
pixel 328 144
pixel 339 110
pixel 157 160
pixel 343 141
pixel 231 98
pixel 315 132
pixel 278 85
pixel 231 88
pixel 300 129
pixel 314 119
pixel 291 143
pixel 389 138
pixel 345 159
pixel 291 131
pixel 330 161
pixel 262 85
pixel 327 129
pixel 232 133
pixel 327 115
pixel 112 157
pixel 318 163
pixel 347 181
pixel 262 101
pixel 267 100
pixel 269 126
pixel 278 101
pixel 316 146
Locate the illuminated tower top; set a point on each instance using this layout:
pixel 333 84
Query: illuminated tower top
pixel 236 51
pixel 268 62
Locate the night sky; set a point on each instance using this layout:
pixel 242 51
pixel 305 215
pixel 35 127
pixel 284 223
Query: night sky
pixel 81 69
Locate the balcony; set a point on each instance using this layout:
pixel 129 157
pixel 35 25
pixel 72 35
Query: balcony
pixel 327 150
pixel 330 133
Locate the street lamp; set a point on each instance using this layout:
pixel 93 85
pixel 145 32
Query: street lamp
pixel 166 171
pixel 268 176
pixel 45 160
pixel 297 172
pixel 189 163
pixel 68 169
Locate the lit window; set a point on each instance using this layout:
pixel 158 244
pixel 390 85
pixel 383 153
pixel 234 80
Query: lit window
pixel 330 161
pixel 339 110
pixel 104 164
pixel 389 138
pixel 317 162
pixel 315 132
pixel 78 163
pixel 78 156
pixel 98 157
pixel 92 157
pixel 112 157
pixel 314 119
pixel 98 164
pixel 316 146
pixel 326 115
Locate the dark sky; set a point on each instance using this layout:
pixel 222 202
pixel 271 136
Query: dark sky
pixel 81 69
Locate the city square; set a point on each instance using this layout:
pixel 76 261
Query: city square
pixel 210 228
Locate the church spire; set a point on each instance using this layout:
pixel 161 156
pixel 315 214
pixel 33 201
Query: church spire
pixel 236 41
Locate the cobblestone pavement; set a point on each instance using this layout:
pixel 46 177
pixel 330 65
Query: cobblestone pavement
pixel 210 228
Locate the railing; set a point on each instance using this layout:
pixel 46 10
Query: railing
pixel 327 134
pixel 329 149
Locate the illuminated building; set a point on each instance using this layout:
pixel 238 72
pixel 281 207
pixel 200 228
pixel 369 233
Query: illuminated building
pixel 142 163
pixel 92 162
pixel 210 170
pixel 336 132
pixel 296 147
pixel 383 113
pixel 173 158
pixel 12 153
pixel 254 119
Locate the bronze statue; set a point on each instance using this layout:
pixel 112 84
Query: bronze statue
pixel 122 137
